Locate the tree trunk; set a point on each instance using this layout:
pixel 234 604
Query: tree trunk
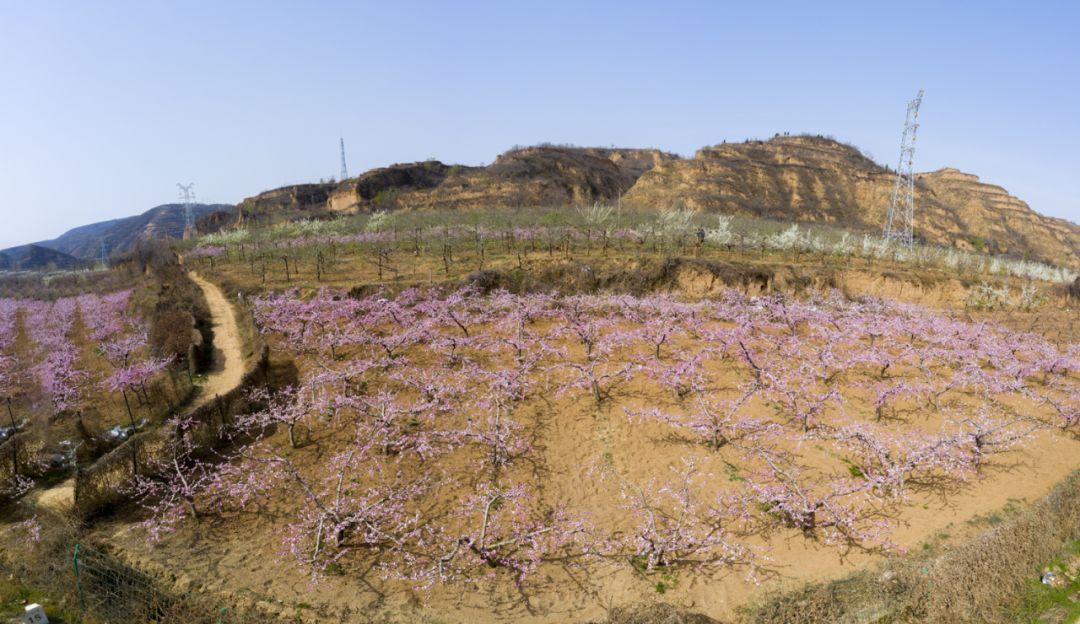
pixel 127 404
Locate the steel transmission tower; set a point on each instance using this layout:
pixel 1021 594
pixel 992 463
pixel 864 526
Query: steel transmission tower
pixel 104 253
pixel 900 220
pixel 187 197
pixel 344 169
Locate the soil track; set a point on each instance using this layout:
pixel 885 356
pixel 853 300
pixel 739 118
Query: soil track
pixel 226 372
pixel 227 368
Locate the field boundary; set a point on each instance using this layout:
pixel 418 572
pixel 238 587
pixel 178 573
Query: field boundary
pixel 100 484
pixel 977 581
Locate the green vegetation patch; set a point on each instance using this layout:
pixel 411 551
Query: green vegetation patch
pixel 1056 601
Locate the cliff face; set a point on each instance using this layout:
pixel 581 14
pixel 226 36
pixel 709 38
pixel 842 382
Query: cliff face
pixel 818 180
pixel 285 203
pixel 533 176
pixel 786 178
pixel 633 162
pixel 381 188
pixel 800 178
pixel 1005 222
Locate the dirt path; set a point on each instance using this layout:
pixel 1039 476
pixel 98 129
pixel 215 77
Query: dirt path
pixel 227 367
pixel 226 371
pixel 60 498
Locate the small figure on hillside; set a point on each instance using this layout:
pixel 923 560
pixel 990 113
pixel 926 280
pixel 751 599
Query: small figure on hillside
pixel 700 235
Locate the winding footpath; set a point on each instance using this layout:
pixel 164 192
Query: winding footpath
pixel 226 372
pixel 227 367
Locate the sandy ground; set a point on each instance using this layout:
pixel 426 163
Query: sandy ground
pixel 226 371
pixel 227 368
pixel 239 558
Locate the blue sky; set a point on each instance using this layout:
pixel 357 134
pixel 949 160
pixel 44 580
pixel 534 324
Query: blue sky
pixel 105 106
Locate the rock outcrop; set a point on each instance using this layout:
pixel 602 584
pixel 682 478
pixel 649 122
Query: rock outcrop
pixel 819 180
pixel 992 218
pixel 633 162
pixel 806 179
pixel 381 188
pixel 531 176
pixel 287 202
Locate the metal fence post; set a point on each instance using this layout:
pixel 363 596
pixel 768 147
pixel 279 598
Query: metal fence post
pixel 78 578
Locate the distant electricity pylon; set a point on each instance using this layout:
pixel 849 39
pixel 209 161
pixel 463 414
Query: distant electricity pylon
pixel 187 196
pixel 104 253
pixel 900 221
pixel 344 169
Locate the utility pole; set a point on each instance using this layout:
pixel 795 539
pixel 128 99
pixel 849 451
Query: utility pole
pixel 900 220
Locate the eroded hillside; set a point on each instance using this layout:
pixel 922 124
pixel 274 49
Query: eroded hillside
pixel 802 178
pixel 820 180
pixel 1005 222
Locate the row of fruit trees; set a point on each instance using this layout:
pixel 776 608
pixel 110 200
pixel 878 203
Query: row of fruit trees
pixel 59 358
pixel 432 414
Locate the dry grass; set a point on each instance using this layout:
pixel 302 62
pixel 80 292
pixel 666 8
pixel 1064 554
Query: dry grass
pixel 109 591
pixel 979 581
pixel 621 268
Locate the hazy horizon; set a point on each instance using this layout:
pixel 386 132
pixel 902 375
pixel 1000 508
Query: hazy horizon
pixel 109 106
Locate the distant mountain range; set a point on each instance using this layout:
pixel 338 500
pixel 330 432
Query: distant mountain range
pixel 35 257
pixel 82 245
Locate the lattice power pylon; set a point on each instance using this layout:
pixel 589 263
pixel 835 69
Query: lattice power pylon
pixel 900 220
pixel 187 197
pixel 344 169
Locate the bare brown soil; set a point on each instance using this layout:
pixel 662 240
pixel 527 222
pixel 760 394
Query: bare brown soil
pixel 240 558
pixel 227 367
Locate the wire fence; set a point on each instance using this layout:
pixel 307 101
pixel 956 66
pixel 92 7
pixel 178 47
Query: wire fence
pixel 109 591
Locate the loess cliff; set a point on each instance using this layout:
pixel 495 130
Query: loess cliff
pixel 792 178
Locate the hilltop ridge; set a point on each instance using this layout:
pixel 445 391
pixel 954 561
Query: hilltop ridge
pixel 808 179
pixel 82 244
pixel 35 257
